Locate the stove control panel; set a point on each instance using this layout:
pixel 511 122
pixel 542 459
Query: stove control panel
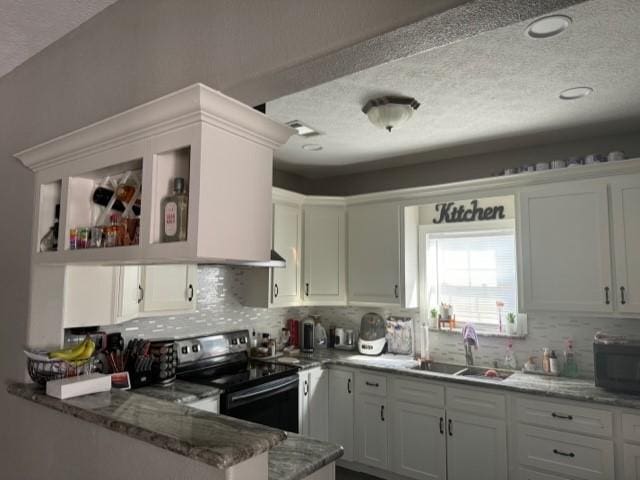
pixel 199 348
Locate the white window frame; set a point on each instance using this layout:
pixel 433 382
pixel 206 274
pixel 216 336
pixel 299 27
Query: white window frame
pixel 424 231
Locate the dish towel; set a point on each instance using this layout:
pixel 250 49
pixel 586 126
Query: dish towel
pixel 469 336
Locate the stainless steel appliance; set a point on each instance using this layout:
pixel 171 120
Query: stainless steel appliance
pixel 252 390
pixel 372 339
pixel 617 363
pixel 307 335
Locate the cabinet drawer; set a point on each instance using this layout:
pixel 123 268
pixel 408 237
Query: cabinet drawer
pixel 526 474
pixel 371 383
pixel 631 427
pixel 565 453
pixel 566 417
pixel 473 401
pixel 421 393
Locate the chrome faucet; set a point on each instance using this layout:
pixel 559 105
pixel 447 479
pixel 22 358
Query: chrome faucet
pixel 470 340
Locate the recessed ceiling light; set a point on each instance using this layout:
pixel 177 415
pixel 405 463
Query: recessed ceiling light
pixel 312 147
pixel 303 129
pixel 550 26
pixel 575 93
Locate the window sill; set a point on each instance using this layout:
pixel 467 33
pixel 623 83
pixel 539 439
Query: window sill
pixel 481 333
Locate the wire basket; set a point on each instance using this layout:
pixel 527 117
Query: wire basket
pixel 41 371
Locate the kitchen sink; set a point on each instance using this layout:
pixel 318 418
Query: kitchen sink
pixel 461 370
pixel 480 372
pixel 436 367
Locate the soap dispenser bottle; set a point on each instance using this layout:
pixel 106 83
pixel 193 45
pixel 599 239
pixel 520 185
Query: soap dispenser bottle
pixel 510 361
pixel 570 365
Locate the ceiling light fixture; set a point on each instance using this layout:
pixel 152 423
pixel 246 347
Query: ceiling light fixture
pixel 575 93
pixel 547 27
pixel 312 147
pixel 390 112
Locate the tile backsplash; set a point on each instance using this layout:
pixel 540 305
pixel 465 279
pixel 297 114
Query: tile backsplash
pixel 220 308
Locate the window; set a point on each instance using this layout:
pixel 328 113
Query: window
pixel 474 272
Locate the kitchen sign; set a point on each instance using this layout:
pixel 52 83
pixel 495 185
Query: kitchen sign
pixel 450 212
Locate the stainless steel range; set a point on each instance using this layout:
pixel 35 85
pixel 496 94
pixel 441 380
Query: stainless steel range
pixel 252 390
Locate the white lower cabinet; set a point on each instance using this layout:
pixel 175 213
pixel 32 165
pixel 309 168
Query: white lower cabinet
pixel 372 430
pixel 419 445
pixel 631 462
pixel 476 446
pixel 313 403
pixel 341 409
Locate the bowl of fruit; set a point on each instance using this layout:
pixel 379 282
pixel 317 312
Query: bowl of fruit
pixel 66 362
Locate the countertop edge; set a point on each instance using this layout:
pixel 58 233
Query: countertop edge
pixel 149 436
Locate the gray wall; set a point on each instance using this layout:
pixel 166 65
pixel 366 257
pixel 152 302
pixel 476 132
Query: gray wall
pixel 132 52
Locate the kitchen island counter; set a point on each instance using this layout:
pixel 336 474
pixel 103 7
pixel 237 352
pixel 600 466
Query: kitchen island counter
pixel 298 457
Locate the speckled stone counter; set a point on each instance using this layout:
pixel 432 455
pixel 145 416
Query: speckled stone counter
pixel 298 456
pixel 558 387
pixel 180 392
pixel 216 440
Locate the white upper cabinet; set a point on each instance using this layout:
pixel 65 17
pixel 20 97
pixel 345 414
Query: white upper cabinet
pixel 287 230
pixel 222 149
pixel 169 288
pixel 625 195
pixel 564 244
pixel 374 253
pixel 324 279
pixel 89 296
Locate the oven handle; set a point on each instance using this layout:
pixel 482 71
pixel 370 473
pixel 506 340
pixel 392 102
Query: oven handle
pixel 263 390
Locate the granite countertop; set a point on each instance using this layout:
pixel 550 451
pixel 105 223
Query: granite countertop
pixel 298 457
pixel 180 392
pixel 216 440
pixel 557 387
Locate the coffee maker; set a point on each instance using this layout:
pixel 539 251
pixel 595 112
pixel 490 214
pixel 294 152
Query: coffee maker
pixel 307 334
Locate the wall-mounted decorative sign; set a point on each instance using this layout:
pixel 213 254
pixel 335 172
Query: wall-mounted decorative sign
pixel 451 213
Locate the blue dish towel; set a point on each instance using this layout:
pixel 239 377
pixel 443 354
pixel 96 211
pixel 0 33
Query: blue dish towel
pixel 469 336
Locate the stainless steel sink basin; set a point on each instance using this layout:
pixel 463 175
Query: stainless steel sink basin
pixel 480 372
pixel 436 367
pixel 461 370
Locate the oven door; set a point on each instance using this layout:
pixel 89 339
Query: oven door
pixel 617 367
pixel 273 403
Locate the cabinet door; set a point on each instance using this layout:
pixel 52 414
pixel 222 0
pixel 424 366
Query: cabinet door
pixel 168 288
pixel 475 446
pixel 88 296
pixel 324 255
pixel 566 257
pixel 372 427
pixel 130 292
pixel 318 408
pixel 341 388
pixel 625 194
pixel 374 253
pixel 631 462
pixel 418 441
pixel 303 403
pixel 285 282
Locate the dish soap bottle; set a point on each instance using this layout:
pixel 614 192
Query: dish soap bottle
pixel 510 361
pixel 570 365
pixel 174 213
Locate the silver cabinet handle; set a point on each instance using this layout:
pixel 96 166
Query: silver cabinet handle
pixel 349 386
pixel 623 300
pixel 275 290
pixel 306 388
pixel 369 384
pixel 395 291
pixel 563 417
pixel 441 425
pixel 140 294
pixel 564 454
pixel 606 296
pixel 306 289
pixel 450 428
pixel 190 288
pixel 382 412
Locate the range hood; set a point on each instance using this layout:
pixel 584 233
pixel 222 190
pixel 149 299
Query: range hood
pixel 276 261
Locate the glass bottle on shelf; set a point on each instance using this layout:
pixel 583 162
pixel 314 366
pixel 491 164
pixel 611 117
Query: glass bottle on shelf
pixel 49 242
pixel 174 213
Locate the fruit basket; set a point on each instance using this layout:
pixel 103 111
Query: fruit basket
pixel 69 362
pixel 41 371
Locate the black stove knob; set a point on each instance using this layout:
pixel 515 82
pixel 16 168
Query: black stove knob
pixel 234 341
pixel 243 340
pixel 185 350
pixel 195 348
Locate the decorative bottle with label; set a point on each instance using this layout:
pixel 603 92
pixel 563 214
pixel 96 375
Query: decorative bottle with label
pixel 174 213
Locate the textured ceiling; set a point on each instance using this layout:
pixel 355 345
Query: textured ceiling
pixel 496 86
pixel 28 26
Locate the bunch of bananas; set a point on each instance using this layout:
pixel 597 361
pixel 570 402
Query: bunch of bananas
pixel 80 352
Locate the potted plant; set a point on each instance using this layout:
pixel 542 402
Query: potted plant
pixel 434 317
pixel 511 323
